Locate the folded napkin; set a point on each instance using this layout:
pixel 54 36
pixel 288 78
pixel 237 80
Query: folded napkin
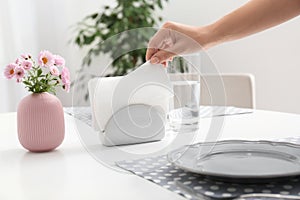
pixel 148 84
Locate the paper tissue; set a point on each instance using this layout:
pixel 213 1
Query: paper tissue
pixel 131 109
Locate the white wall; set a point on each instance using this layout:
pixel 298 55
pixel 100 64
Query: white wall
pixel 272 56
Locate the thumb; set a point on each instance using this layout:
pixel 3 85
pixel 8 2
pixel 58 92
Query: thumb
pixel 161 56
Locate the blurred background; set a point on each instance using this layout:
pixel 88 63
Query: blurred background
pixel 272 56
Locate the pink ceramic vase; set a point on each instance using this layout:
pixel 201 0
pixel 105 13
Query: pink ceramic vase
pixel 41 125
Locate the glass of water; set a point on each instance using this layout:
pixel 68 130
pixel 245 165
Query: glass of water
pixel 184 73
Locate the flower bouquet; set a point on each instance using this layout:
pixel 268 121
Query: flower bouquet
pixel 43 76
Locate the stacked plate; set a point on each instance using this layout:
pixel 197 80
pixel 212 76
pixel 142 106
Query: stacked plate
pixel 239 160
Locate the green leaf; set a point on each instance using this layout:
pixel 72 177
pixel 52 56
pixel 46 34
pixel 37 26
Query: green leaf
pixel 94 16
pixel 78 41
pixel 88 39
pixel 26 82
pixel 159 4
pixel 39 72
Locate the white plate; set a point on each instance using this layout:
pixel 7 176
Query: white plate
pixel 239 159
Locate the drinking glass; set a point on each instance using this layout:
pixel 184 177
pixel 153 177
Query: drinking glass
pixel 184 73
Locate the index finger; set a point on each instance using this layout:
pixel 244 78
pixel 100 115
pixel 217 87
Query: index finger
pixel 156 41
pixel 150 52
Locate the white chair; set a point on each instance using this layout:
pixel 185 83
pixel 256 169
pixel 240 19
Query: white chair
pixel 233 89
pixel 239 90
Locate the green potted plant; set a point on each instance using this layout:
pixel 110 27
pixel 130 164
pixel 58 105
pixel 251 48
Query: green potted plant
pixel 111 20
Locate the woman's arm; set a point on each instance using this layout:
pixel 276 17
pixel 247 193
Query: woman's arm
pixel 253 17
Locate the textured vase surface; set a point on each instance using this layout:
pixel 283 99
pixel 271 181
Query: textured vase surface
pixel 41 125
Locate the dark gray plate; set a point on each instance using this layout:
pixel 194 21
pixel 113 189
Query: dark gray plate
pixel 240 159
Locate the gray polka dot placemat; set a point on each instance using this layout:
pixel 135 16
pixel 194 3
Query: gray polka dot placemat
pixel 164 174
pixel 85 113
pixel 159 171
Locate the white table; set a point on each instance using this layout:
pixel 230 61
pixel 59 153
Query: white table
pixel 71 172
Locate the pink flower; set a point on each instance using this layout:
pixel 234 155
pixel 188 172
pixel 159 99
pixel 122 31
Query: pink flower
pixel 66 87
pixel 26 64
pixel 19 73
pixel 46 59
pixel 18 61
pixel 10 70
pixel 54 71
pixel 26 56
pixel 59 61
pixel 65 76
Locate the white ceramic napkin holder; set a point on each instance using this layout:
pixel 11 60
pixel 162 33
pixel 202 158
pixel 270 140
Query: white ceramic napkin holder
pixel 130 125
pixel 143 120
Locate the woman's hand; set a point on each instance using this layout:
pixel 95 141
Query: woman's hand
pixel 176 39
